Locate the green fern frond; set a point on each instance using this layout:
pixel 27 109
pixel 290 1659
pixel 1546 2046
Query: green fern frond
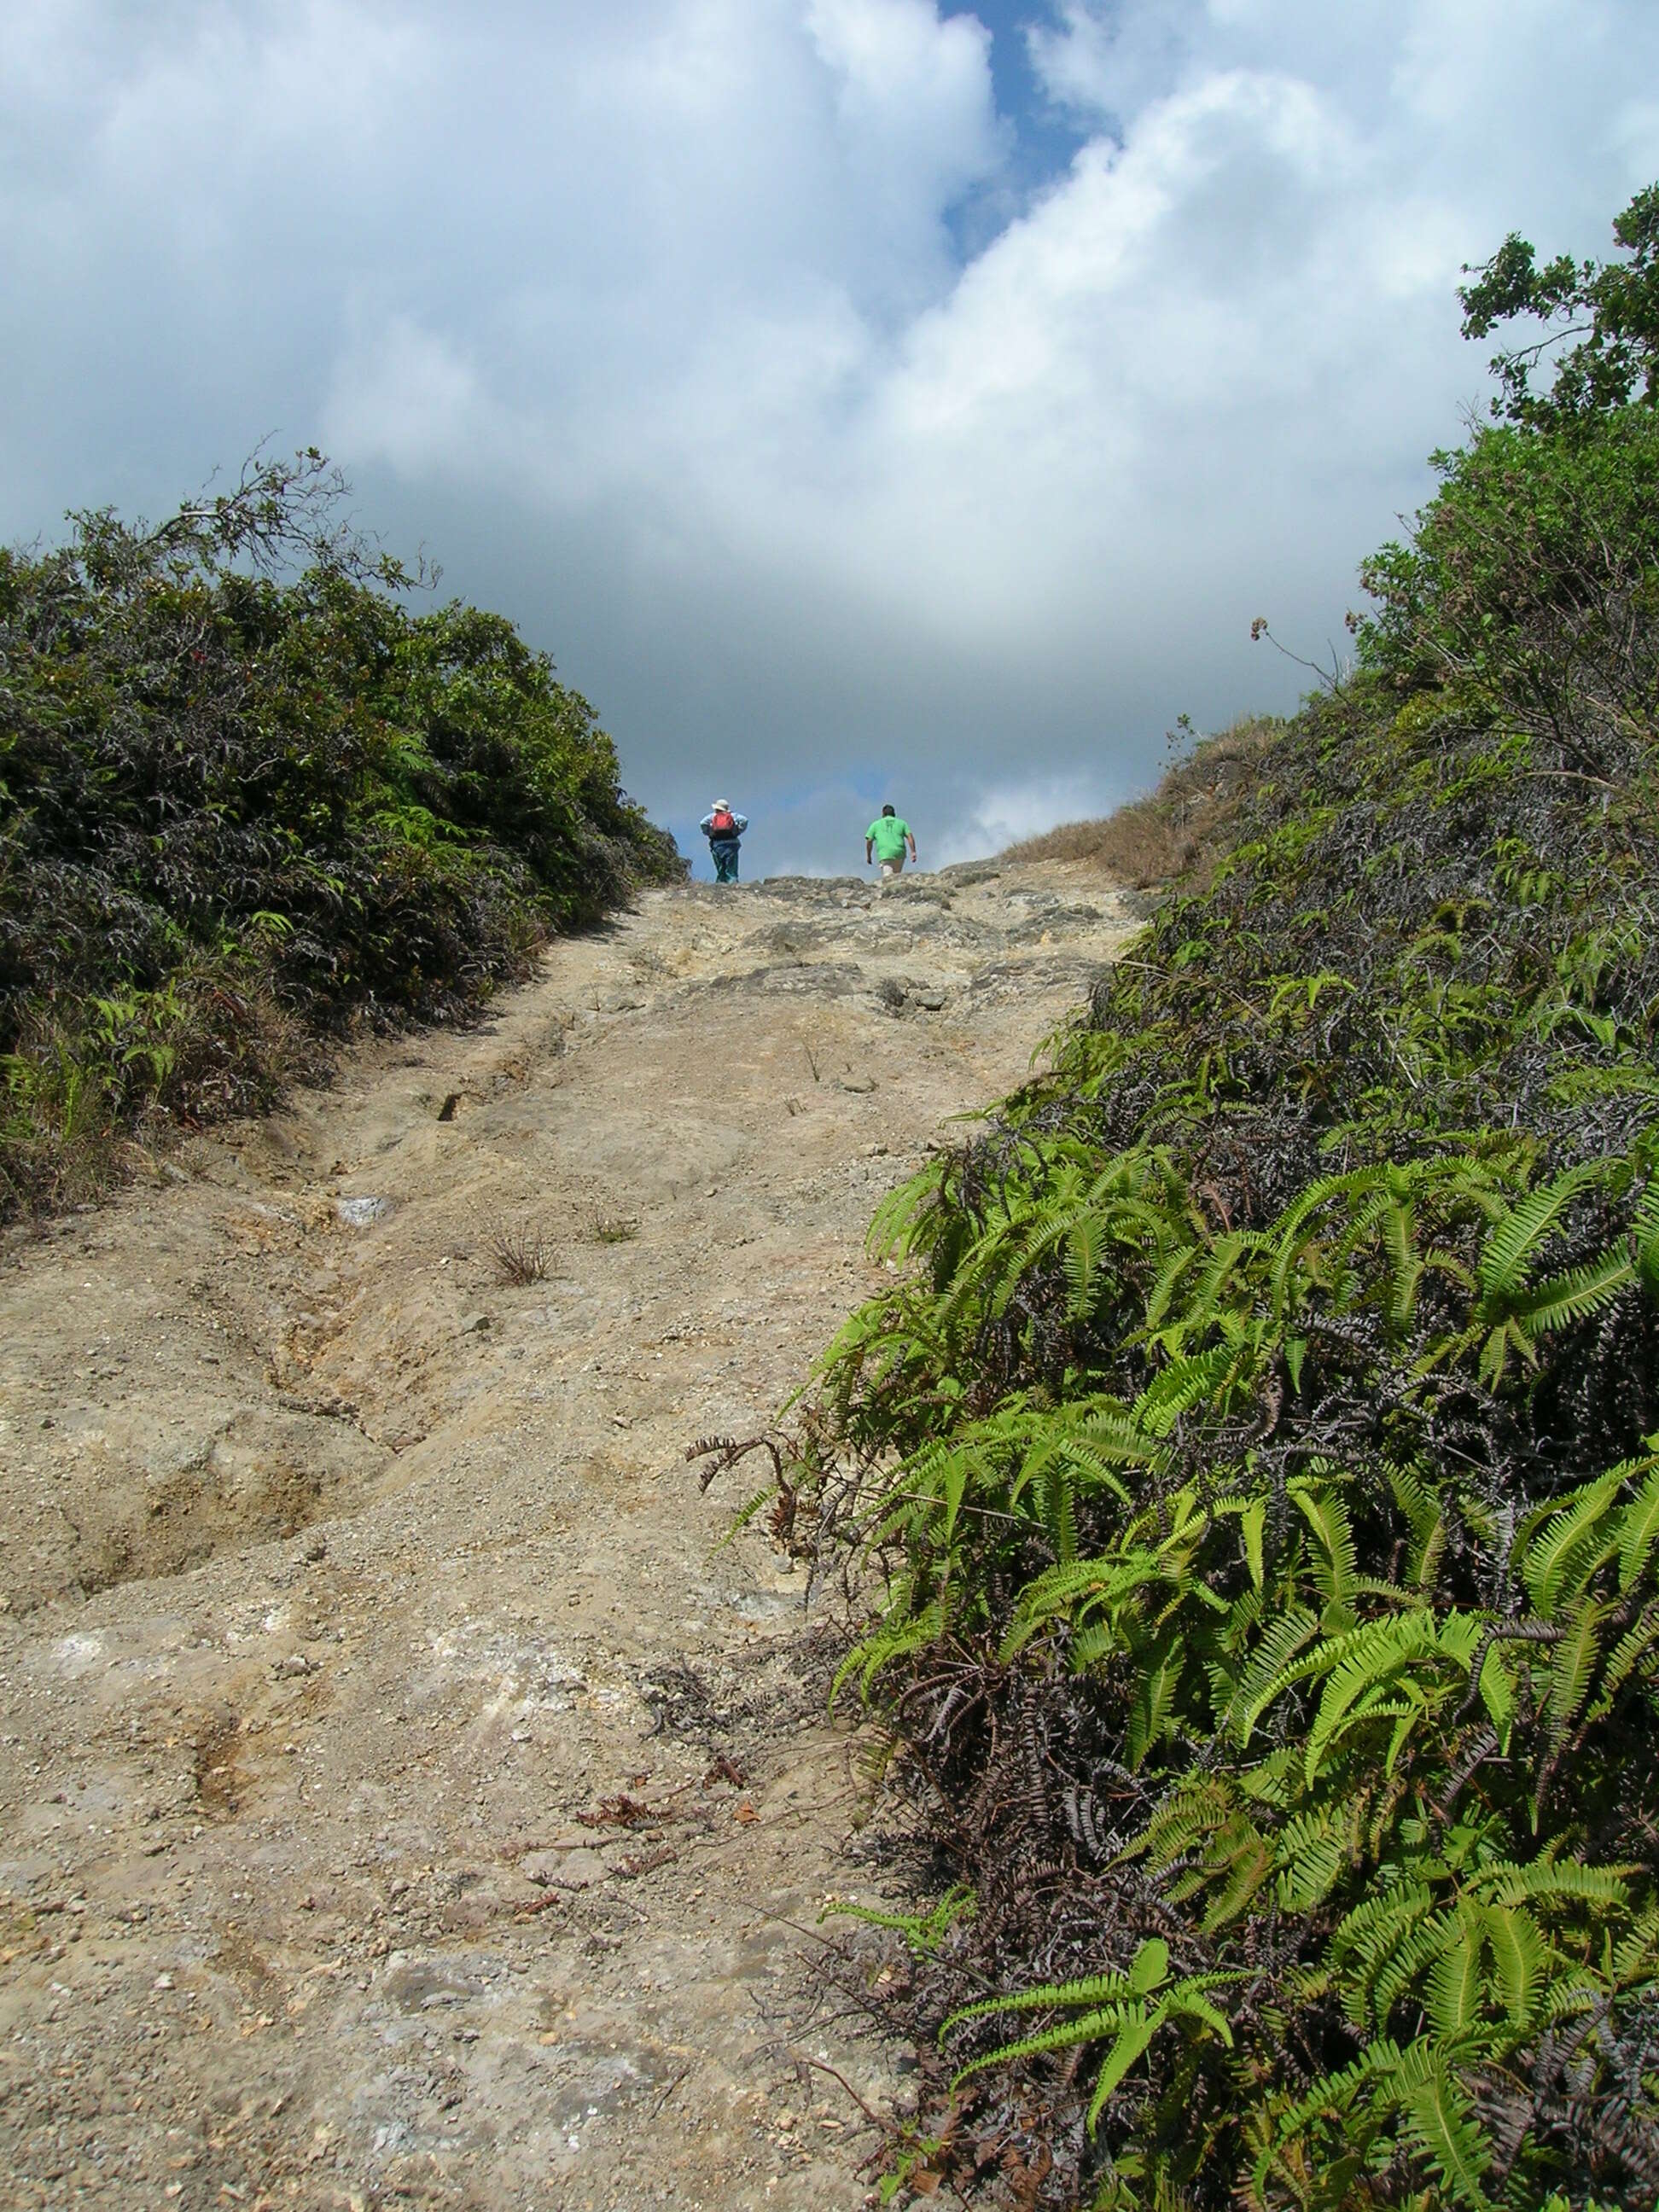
pixel 1455 1982
pixel 1638 1526
pixel 1518 1235
pixel 745 1513
pixel 1645 1236
pixel 1556 1881
pixel 1250 1870
pixel 1337 1567
pixel 1267 1671
pixel 1575 1295
pixel 1632 1647
pixel 1064 2035
pixel 923 1932
pixel 896 1638
pixel 1559 1549
pixel 1152 1707
pixel 1146 1972
pixel 1334 2095
pixel 1185 1382
pixel 1519 1960
pixel 1439 2115
pixel 1573 1662
pixel 900 1223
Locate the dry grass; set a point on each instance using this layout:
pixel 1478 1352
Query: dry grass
pixel 521 1254
pixel 1176 828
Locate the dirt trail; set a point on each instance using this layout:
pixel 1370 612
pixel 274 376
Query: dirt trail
pixel 402 1801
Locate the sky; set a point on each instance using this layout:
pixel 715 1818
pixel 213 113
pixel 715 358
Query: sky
pixel 860 399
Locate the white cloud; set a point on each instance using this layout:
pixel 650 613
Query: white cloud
pixel 911 98
pixel 651 323
pixel 1001 814
pixel 414 397
pixel 1110 61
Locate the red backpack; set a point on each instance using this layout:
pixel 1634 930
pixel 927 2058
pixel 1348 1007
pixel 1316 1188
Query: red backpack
pixel 722 823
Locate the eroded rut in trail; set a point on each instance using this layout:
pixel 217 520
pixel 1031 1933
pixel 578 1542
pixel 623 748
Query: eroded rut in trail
pixel 403 1798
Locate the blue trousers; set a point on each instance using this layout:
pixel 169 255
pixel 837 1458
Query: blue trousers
pixel 723 851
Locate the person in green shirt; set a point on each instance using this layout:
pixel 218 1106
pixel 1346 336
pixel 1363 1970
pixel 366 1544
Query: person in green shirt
pixel 885 841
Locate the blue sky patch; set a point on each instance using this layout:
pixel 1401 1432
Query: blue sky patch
pixel 1045 136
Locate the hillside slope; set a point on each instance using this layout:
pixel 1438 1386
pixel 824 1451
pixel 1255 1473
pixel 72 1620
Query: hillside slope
pixel 403 1798
pixel 1260 1446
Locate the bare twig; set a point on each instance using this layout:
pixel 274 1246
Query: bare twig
pixel 822 2066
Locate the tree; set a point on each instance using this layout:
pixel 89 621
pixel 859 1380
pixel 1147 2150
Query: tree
pixel 1610 309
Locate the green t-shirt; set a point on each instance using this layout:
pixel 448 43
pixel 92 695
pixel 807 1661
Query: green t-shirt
pixel 888 833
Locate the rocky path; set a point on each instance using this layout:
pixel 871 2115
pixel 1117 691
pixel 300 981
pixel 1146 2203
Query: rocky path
pixel 403 1798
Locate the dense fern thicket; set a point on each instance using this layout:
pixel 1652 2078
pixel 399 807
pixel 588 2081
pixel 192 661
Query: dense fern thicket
pixel 1261 1447
pixel 248 795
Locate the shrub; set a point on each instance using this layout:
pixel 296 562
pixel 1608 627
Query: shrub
pixel 1261 1447
pixel 247 796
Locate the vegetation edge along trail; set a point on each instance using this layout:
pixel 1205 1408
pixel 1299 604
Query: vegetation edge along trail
pixel 1259 1447
pixel 249 797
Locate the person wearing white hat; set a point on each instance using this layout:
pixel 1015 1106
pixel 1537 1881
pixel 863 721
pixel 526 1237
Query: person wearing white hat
pixel 724 830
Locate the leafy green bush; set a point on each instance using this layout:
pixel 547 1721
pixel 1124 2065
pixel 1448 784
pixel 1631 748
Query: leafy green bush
pixel 1533 579
pixel 1260 1446
pixel 246 796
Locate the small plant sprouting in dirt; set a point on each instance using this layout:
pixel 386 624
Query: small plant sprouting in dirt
pixel 521 1254
pixel 923 1932
pixel 612 1228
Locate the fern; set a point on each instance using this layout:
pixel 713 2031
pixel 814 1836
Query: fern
pixel 923 1932
pixel 1261 1438
pixel 1438 2113
pixel 1121 2009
